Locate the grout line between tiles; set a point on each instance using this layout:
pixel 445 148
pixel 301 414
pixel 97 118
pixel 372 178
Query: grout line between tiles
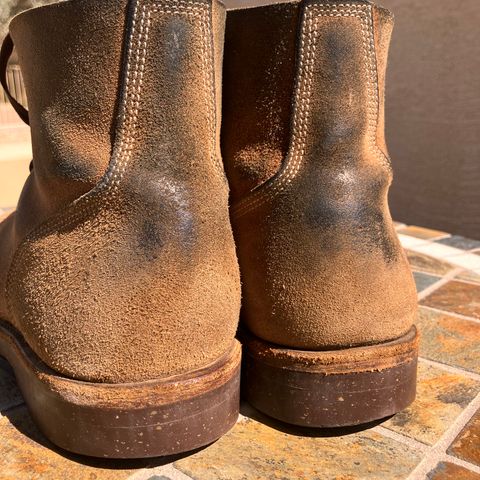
pixel 407 241
pixel 438 451
pixel 451 369
pixel 411 442
pixel 461 463
pixel 441 236
pixel 13 126
pixel 452 314
pixel 462 280
pixel 427 240
pixel 465 260
pixel 444 280
pixel 456 256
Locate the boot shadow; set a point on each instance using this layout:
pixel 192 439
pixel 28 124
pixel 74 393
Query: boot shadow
pixel 252 413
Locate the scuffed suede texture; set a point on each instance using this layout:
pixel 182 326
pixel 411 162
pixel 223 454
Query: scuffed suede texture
pixel 72 85
pixel 321 265
pixel 259 71
pixel 138 279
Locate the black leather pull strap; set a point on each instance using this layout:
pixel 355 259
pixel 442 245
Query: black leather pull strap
pixel 5 53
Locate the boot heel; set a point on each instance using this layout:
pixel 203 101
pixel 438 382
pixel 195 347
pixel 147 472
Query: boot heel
pixel 130 420
pixel 330 388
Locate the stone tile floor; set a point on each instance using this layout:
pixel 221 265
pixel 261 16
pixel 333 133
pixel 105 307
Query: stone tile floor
pixel 437 438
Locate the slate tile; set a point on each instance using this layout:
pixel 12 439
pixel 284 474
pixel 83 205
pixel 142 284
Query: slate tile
pixel 467 444
pixel 469 276
pixel 441 397
pixel 456 297
pixel 450 471
pixel 424 263
pixel 424 280
pixel 254 451
pixel 460 242
pixel 448 339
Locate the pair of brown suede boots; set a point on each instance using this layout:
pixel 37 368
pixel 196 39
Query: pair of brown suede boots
pixel 120 286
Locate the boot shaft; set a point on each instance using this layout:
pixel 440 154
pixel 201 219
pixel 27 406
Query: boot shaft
pixel 72 73
pixel 90 84
pixel 312 85
pixel 259 78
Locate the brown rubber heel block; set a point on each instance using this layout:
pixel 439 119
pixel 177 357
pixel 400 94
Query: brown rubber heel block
pixel 330 388
pixel 135 420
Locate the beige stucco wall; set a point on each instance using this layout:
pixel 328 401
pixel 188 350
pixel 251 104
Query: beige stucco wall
pixel 433 113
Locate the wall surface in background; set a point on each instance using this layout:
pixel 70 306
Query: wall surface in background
pixel 433 114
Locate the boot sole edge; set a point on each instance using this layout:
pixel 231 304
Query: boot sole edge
pixel 338 388
pixel 147 419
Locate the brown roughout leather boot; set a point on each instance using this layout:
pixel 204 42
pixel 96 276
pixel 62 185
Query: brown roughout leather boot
pixel 119 281
pixel 328 297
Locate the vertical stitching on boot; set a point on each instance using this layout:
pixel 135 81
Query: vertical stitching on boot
pixel 374 96
pixel 294 159
pixel 99 196
pixel 300 120
pixel 208 58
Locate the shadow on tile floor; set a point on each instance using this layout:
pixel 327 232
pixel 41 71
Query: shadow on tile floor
pixel 253 414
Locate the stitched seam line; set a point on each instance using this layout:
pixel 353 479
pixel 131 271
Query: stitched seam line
pixel 294 160
pixel 208 58
pixel 301 116
pixel 374 96
pixel 300 119
pixel 102 194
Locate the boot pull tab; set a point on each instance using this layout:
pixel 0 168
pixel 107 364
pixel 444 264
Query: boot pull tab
pixel 5 53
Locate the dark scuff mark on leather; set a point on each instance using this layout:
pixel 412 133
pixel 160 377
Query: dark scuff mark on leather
pixel 150 238
pixel 73 168
pixel 358 225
